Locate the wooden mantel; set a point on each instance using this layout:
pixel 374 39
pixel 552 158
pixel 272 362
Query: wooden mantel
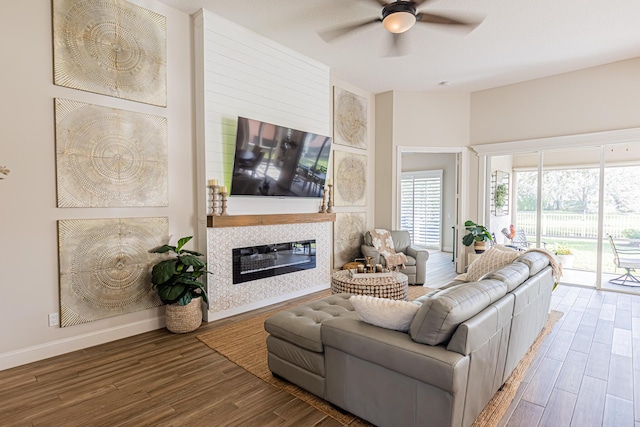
pixel 271 219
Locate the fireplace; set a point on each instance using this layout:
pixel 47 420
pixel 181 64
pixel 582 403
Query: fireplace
pixel 259 262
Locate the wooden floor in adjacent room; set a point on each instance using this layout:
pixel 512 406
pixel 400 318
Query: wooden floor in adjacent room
pixel 586 373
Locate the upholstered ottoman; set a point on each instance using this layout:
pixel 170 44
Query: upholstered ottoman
pixel 295 350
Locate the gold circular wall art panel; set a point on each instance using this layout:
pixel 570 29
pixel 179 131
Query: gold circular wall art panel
pixel 111 47
pixel 350 179
pixel 107 157
pixel 105 266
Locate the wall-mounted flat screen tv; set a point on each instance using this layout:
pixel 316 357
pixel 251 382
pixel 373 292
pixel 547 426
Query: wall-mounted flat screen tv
pixel 272 160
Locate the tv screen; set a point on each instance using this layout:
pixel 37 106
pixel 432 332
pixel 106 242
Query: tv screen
pixel 272 160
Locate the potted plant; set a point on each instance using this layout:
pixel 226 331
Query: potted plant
pixel 176 280
pixel 478 235
pixel 564 255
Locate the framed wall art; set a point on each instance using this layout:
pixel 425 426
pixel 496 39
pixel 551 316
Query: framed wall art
pixel 350 179
pixel 106 157
pixel 349 119
pixel 110 47
pixel 105 266
pixel 348 236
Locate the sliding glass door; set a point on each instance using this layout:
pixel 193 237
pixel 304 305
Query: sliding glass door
pixel 620 263
pixel 583 204
pixel 570 205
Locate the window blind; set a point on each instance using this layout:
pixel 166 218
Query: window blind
pixel 421 207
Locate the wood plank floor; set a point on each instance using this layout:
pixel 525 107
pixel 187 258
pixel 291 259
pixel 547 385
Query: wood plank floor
pixel 587 373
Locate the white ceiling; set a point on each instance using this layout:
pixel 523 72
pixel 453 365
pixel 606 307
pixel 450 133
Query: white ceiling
pixel 518 40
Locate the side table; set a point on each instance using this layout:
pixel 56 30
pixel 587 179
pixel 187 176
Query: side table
pixel 393 287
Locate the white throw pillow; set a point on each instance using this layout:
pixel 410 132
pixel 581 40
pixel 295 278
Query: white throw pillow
pixel 489 261
pixel 386 313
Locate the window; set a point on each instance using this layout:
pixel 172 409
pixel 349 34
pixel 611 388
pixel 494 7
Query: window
pixel 421 207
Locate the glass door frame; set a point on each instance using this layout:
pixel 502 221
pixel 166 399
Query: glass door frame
pixel 592 140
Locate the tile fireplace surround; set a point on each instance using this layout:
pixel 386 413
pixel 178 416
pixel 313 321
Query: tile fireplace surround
pixel 227 299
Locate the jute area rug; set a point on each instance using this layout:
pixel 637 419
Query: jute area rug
pixel 244 343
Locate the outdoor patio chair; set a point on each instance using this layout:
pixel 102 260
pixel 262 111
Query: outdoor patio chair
pixel 627 258
pixel 518 241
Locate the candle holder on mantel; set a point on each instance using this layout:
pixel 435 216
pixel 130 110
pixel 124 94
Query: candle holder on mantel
pixel 323 206
pixel 223 195
pixel 215 189
pixel 209 200
pixel 330 203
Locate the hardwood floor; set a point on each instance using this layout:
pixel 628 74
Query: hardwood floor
pixel 587 373
pixel 152 379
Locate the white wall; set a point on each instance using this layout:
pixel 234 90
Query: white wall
pixel 248 75
pixel 415 119
pixel 28 213
pixel 240 73
pixel 590 100
pixel 384 164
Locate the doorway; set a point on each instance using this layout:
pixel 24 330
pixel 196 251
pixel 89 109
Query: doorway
pixel 429 191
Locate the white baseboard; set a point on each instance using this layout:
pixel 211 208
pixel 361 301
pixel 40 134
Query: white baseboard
pixel 23 356
pixel 210 316
pixel 447 249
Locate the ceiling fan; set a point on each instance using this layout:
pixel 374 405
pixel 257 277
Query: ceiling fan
pixel 398 17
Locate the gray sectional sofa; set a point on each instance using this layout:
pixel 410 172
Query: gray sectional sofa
pixel 462 344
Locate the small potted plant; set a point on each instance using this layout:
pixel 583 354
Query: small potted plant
pixel 176 280
pixel 564 255
pixel 478 235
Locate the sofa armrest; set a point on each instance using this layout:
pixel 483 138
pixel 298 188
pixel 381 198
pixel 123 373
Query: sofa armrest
pixel 372 252
pixel 421 255
pixel 396 351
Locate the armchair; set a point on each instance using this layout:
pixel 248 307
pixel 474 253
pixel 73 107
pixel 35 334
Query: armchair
pixel 416 265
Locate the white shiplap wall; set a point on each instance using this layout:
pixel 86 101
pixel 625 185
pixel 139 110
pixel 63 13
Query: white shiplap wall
pixel 240 73
pixel 244 74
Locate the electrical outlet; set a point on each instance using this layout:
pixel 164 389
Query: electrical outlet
pixel 54 319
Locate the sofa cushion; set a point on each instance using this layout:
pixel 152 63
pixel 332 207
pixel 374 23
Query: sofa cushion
pixel 383 312
pixel 513 275
pixel 490 261
pixel 440 315
pixel 301 325
pixel 535 260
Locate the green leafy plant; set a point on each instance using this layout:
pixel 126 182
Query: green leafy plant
pixel 630 233
pixel 562 249
pixel 476 232
pixel 176 278
pixel 500 196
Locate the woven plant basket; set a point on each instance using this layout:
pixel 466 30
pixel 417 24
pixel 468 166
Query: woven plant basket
pixel 181 319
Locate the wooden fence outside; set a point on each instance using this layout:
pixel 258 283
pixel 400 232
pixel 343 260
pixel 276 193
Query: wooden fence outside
pixel 577 225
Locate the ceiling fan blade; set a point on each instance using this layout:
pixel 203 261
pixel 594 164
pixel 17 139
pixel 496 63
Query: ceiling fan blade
pixel 337 32
pixel 429 18
pixel 398 45
pixel 381 2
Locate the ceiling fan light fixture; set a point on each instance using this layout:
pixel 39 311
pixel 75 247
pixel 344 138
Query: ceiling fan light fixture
pixel 399 22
